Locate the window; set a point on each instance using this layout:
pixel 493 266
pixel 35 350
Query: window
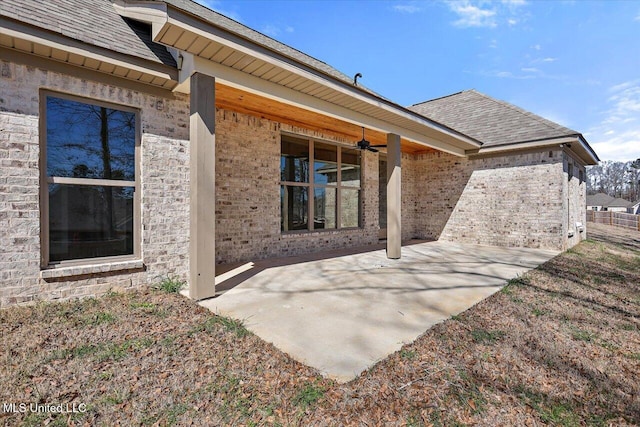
pixel 320 185
pixel 89 180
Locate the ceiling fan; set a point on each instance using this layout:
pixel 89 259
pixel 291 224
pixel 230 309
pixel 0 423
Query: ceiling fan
pixel 363 144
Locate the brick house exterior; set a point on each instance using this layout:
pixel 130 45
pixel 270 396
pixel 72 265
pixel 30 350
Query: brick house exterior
pixel 208 186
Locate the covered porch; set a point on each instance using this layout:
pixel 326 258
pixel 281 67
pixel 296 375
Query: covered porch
pixel 342 311
pixel 229 69
pixel 379 215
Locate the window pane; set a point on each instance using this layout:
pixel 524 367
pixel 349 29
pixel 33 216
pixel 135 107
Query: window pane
pixel 294 210
pixel 350 168
pixel 325 163
pixel 89 141
pixel 324 204
pixel 294 160
pixel 87 221
pixel 350 205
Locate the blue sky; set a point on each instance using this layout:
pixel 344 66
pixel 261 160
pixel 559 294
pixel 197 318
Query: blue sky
pixel 574 62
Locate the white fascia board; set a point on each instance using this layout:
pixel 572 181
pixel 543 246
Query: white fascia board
pixel 151 12
pixel 525 145
pixel 249 83
pixel 585 145
pixel 582 150
pixel 261 53
pixel 82 52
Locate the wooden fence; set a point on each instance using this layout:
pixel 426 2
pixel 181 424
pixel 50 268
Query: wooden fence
pixel 617 219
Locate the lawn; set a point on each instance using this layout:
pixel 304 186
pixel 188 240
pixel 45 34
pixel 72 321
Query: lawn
pixel 558 346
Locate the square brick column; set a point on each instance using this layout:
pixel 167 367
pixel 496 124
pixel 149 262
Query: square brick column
pixel 202 229
pixel 394 193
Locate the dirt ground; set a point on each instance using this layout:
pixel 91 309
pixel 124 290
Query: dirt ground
pixel 557 346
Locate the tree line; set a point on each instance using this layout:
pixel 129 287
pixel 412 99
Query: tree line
pixel 617 179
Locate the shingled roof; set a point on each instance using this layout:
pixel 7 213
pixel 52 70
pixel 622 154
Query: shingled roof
pixel 599 199
pixel 490 121
pixel 604 200
pixel 470 115
pixel 94 22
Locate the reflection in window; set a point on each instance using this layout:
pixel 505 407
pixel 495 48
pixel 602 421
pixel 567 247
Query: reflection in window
pixel 294 161
pixel 324 211
pixel 87 221
pixel 294 214
pixel 350 168
pixel 86 143
pixel 89 141
pixel 332 193
pixel 325 166
pixel 350 203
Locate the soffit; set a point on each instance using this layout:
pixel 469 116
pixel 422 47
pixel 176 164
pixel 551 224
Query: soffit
pixel 191 35
pixel 26 38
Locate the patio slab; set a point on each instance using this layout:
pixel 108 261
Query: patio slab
pixel 343 314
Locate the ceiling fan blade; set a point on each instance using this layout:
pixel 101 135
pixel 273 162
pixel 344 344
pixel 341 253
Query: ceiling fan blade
pixel 382 146
pixel 373 150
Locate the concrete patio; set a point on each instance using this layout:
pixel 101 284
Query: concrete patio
pixel 342 314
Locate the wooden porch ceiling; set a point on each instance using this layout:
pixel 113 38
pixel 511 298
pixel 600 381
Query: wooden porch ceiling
pixel 248 103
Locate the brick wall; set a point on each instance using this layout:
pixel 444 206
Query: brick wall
pixel 165 188
pixel 412 193
pixel 248 193
pixel 574 201
pixel 514 200
pixel 247 187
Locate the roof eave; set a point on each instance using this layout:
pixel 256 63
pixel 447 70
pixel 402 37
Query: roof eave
pixel 176 17
pixel 574 143
pixel 41 42
pixel 591 151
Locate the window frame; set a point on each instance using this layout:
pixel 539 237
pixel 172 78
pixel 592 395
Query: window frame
pixel 311 186
pixel 45 181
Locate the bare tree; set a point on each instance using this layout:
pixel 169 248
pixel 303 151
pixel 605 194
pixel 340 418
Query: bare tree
pixel 633 174
pixel 617 179
pixel 95 142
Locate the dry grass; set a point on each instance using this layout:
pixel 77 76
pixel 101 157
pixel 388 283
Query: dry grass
pixel 559 346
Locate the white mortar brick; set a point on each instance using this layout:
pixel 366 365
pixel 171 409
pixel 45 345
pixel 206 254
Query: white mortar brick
pixel 521 199
pixel 164 165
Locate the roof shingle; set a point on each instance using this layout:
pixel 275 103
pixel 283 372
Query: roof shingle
pixel 600 199
pixel 491 121
pixel 94 22
pixel 605 200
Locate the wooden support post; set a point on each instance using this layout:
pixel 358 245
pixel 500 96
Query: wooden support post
pixel 394 197
pixel 202 229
